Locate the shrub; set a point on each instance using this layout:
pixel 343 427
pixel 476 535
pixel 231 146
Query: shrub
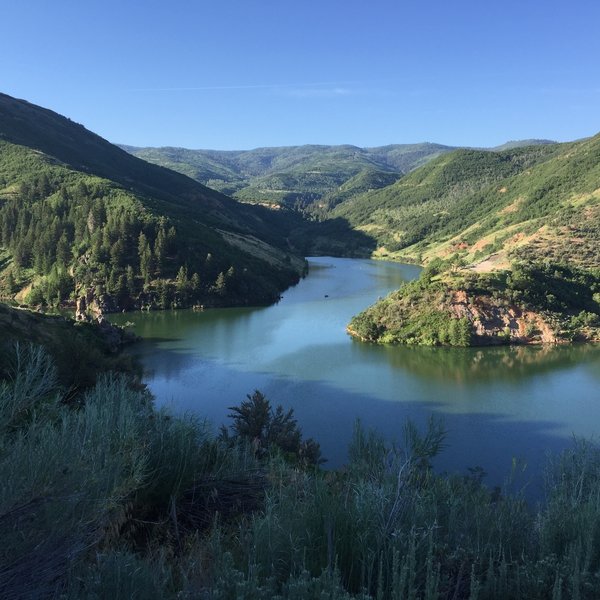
pixel 268 430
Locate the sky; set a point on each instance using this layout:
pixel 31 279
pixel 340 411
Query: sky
pixel 242 74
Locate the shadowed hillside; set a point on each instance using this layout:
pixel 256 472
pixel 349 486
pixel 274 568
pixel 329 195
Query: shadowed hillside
pixel 80 215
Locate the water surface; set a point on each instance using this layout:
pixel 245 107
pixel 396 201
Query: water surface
pixel 497 403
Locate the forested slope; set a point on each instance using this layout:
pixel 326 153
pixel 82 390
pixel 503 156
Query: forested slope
pixel 77 213
pixel 294 176
pixel 512 244
pixel 539 202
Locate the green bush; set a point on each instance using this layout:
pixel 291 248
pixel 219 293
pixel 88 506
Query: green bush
pixel 66 472
pixel 113 499
pixel 269 430
pixel 121 575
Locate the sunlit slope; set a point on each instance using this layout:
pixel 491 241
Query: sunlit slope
pixel 295 176
pixel 540 202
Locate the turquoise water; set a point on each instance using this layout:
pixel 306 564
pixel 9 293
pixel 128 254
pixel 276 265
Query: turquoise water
pixel 497 404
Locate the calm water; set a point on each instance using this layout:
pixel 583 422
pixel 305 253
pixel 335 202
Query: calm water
pixel 497 403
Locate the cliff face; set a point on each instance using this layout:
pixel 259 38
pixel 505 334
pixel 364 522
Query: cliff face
pixel 494 323
pixel 523 306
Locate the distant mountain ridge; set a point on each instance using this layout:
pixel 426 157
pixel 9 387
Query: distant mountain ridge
pixel 512 144
pixel 304 177
pixel 295 176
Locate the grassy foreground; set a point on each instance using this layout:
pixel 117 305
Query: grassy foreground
pixel 109 498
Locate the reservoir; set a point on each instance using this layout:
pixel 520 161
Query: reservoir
pixel 503 408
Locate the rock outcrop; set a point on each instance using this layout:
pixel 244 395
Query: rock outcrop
pixel 496 323
pixel 91 306
pixel 477 310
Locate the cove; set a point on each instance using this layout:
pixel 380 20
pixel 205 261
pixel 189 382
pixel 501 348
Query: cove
pixel 501 406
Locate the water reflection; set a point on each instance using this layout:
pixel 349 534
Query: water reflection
pixel 497 402
pixel 462 365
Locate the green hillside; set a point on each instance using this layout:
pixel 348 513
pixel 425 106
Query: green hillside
pixel 528 304
pixel 310 178
pixel 80 351
pixel 512 144
pixel 366 180
pixel 536 202
pixel 294 176
pixel 512 240
pixel 79 215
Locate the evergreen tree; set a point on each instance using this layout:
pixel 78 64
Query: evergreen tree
pixel 182 279
pixel 162 290
pixel 130 280
pixel 10 285
pixel 171 241
pixel 145 256
pixel 160 250
pixel 182 284
pixel 117 254
pixel 195 283
pixel 220 286
pixel 63 250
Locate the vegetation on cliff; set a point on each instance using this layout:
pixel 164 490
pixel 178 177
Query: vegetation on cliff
pixel 531 303
pixel 80 351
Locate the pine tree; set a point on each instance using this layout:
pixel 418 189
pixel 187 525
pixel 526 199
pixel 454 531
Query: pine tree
pixel 160 250
pixel 130 279
pixel 220 286
pixel 195 283
pixel 117 254
pixel 10 285
pixel 145 255
pixel 63 250
pixel 182 279
pixel 162 290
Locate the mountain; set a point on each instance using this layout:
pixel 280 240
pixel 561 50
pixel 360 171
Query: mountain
pixel 512 244
pixel 78 213
pixel 512 144
pixel 366 180
pixel 539 201
pixel 296 176
pixel 310 178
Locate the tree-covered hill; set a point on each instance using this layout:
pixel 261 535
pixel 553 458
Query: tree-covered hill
pixel 512 243
pixel 295 176
pixel 310 178
pixel 80 215
pixel 512 144
pixel 366 180
pixel 528 304
pixel 537 202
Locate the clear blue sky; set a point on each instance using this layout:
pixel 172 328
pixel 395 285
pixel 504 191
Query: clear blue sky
pixel 240 74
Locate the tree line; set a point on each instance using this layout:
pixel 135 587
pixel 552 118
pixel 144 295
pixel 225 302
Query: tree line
pixel 66 232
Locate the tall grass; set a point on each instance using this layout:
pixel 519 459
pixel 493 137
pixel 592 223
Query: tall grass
pixel 388 527
pixel 114 499
pixel 65 473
